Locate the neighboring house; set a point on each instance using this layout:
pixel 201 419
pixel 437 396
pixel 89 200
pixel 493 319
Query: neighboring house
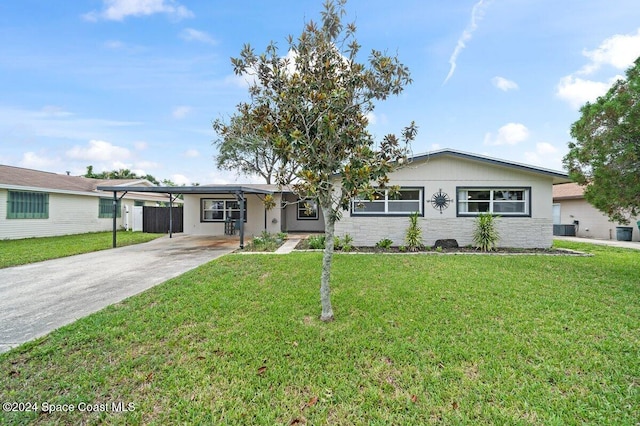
pixel 447 188
pixel 38 204
pixel 573 211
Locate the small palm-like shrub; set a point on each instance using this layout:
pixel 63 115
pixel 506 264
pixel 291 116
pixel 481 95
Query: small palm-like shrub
pixel 485 234
pixel 413 236
pixel 345 244
pixel 384 243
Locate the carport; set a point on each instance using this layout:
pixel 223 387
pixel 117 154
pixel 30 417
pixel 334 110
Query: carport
pixel 172 192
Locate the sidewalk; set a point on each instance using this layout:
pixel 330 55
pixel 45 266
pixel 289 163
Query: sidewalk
pixel 613 243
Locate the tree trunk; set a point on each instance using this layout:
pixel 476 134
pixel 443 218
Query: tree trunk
pixel 325 290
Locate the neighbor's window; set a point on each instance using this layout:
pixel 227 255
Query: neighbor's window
pixel 499 201
pixel 27 205
pixel 307 209
pixel 220 210
pixel 105 209
pixel 404 202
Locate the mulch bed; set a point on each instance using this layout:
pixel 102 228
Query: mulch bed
pixel 303 245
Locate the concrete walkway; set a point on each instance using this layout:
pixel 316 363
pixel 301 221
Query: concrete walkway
pixel 613 243
pixel 36 299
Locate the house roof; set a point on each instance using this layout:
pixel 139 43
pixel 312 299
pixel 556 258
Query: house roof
pixel 558 176
pixel 12 177
pixel 568 191
pixel 200 189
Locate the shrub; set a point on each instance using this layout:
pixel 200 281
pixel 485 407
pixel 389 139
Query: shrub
pixel 485 234
pixel 316 242
pixel 266 242
pixel 345 244
pixel 385 243
pixel 413 236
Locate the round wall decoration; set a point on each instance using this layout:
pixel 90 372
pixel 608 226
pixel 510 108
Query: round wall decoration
pixel 440 200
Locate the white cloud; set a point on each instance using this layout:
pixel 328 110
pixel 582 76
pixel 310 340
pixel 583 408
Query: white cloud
pixel 545 148
pixel 31 160
pixel 504 84
pixel 371 117
pixel 191 153
pixel 545 155
pixel 509 134
pixel 146 165
pixel 141 145
pixel 113 44
pixel 477 13
pixel 98 151
pixel 618 51
pixel 117 10
pixel 189 34
pixel 577 91
pixel 179 179
pixel 181 112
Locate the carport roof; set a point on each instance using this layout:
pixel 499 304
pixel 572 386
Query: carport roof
pixel 201 189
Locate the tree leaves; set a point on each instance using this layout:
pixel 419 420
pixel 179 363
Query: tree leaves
pixel 605 156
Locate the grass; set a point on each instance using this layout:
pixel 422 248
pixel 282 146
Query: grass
pixel 29 250
pixel 418 339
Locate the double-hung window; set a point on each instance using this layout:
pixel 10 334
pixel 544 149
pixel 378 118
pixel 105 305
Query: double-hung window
pixel 405 202
pixel 499 201
pixel 27 205
pixel 215 210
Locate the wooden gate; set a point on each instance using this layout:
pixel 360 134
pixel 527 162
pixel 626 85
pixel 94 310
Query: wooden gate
pixel 156 219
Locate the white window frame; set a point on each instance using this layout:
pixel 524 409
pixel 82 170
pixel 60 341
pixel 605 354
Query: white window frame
pixel 226 209
pixel 462 200
pixel 387 201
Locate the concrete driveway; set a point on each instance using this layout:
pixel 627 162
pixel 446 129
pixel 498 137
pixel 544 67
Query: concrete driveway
pixel 38 298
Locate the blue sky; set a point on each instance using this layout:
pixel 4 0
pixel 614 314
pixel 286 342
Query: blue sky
pixel 136 83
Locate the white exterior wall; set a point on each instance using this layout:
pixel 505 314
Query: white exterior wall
pixel 448 173
pixel 68 214
pixel 593 224
pixel 254 225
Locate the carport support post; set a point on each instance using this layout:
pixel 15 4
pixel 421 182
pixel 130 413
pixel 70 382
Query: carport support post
pixel 170 216
pixel 115 214
pixel 240 197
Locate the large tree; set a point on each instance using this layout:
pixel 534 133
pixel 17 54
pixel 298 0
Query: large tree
pixel 605 156
pixel 311 106
pixel 244 148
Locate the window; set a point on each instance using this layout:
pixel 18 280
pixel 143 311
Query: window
pixel 405 202
pixel 221 210
pixel 500 201
pixel 27 205
pixel 105 209
pixel 138 203
pixel 307 210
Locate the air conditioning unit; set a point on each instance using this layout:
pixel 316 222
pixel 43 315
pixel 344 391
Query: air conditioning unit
pixel 564 230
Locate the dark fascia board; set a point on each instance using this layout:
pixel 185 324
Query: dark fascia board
pixel 187 189
pixel 559 177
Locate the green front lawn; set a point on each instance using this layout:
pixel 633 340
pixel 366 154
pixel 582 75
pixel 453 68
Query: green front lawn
pixel 418 339
pixel 30 250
